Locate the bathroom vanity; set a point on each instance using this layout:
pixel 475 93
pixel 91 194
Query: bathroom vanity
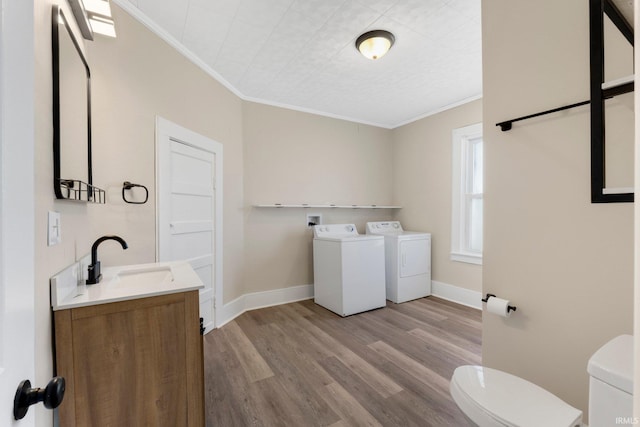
pixel 130 347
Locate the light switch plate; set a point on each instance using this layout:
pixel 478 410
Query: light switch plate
pixel 54 234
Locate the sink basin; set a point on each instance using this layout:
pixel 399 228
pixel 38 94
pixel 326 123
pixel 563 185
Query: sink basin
pixel 121 283
pixel 149 276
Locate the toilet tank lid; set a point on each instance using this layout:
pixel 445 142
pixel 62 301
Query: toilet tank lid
pixel 613 363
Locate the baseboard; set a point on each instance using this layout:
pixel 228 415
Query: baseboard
pixel 257 300
pixel 457 294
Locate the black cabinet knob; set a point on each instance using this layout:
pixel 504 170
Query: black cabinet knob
pixel 51 396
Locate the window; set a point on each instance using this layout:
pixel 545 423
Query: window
pixel 466 221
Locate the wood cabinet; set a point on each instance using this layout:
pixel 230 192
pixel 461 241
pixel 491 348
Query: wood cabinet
pixel 132 363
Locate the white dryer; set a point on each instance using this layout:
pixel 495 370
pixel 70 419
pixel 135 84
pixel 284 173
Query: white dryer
pixel 407 260
pixel 348 269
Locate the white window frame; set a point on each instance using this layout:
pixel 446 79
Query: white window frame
pixel 459 205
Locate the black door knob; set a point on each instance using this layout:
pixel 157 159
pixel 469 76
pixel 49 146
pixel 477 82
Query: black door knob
pixel 26 396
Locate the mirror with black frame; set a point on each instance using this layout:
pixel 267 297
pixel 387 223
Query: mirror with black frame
pixel 72 168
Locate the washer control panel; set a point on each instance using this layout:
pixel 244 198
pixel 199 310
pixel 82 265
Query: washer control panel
pixel 335 230
pixel 384 227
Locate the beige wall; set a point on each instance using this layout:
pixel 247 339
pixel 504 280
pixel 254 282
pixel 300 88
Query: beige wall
pixel 136 77
pixel 292 157
pixel 422 163
pixel 564 262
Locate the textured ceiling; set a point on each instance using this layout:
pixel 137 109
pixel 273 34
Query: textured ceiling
pixel 300 53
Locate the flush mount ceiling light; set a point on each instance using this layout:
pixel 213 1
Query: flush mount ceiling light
pixel 104 26
pixel 79 12
pixel 374 44
pixel 93 16
pixel 99 14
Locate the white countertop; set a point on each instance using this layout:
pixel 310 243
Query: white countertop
pixel 121 283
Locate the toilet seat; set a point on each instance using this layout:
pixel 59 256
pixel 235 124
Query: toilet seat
pixel 494 398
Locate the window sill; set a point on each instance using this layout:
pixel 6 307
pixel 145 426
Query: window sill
pixel 468 258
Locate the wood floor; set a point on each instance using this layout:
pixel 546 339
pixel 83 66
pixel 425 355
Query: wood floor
pixel 301 365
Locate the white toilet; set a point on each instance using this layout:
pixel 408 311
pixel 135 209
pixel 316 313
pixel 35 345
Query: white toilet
pixel 492 398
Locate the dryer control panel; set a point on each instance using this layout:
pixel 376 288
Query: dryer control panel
pixel 384 227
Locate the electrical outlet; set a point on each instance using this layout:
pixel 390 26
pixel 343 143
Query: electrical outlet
pixel 54 233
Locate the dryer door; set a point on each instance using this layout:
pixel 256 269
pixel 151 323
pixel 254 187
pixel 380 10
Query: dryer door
pixel 415 257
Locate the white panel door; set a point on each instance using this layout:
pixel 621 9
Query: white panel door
pixel 17 283
pixel 187 207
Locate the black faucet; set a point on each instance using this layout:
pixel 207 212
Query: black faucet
pixel 94 268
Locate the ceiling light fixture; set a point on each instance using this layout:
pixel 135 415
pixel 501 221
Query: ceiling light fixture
pixel 99 7
pixel 375 44
pixel 99 14
pixel 104 26
pixel 79 12
pixel 93 16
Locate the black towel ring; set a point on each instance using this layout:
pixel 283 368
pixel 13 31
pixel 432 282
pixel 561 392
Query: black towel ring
pixel 128 186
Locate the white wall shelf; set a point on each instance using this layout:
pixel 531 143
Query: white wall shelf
pixel 303 205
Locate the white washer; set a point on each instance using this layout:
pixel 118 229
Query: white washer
pixel 408 260
pixel 348 269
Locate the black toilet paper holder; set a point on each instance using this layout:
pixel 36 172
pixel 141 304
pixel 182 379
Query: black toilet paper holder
pixel 509 307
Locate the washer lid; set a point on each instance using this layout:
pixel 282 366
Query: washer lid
pixel 340 233
pixel 513 400
pixel 335 230
pixel 613 363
